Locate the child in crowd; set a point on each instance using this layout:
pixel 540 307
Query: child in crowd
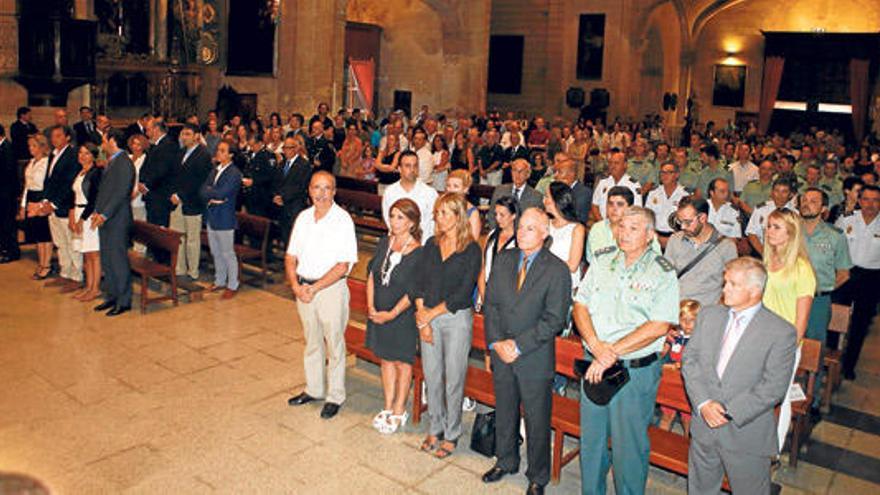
pixel 676 341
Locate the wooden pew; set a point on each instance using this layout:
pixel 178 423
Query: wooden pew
pixel 565 418
pixel 369 186
pixel 254 227
pixel 155 238
pixel 811 362
pixel 840 318
pixel 365 209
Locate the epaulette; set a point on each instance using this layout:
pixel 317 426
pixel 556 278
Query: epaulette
pixel 604 250
pixel 664 263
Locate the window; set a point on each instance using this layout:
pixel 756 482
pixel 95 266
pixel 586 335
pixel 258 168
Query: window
pixel 505 64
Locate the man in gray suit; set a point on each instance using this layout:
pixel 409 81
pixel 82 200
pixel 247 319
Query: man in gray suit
pixel 527 196
pixel 113 217
pixel 527 302
pixel 737 368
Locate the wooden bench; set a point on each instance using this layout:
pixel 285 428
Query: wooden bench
pixel 565 418
pixel 369 186
pixel 155 238
pixel 365 209
pixel 254 227
pixel 809 366
pixel 840 318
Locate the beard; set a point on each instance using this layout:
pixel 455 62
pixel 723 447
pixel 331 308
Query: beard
pixel 811 216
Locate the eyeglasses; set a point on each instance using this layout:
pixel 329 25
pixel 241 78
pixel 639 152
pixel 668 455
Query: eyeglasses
pixel 288 147
pixel 686 223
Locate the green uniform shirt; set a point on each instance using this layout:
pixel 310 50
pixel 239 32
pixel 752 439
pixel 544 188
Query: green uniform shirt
pixel 708 175
pixel 690 176
pixel 828 253
pixel 754 193
pixel 834 189
pixel 642 171
pixel 621 298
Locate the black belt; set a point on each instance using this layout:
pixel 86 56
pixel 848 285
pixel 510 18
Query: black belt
pixel 307 281
pixel 639 362
pixel 664 235
pixel 81 206
pixel 822 293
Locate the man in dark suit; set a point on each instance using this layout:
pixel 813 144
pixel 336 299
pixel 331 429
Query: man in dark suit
pixel 259 175
pixel 527 302
pixel 320 149
pixel 525 194
pixel 516 151
pixel 220 191
pixel 113 218
pixel 58 200
pixel 19 132
pixel 292 184
pixel 186 217
pixel 582 194
pixel 10 186
pixel 86 130
pixel 140 126
pixel 157 175
pixel 737 368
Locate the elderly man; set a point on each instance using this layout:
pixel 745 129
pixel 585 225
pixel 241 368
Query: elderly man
pixel 564 172
pixel 623 309
pixel 736 367
pixel 699 252
pixel 411 186
pixel 617 176
pixel 519 189
pixel 321 251
pixel 527 303
pixel 291 183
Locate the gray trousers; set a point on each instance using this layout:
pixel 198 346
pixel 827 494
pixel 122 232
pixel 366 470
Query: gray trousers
pixel 445 365
pixel 222 244
pixel 707 464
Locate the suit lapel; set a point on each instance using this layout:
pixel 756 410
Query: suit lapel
pixel 743 342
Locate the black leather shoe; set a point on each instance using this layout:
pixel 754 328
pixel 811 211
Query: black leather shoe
pixel 535 489
pixel 329 410
pixel 495 474
pixel 118 310
pixel 300 399
pixel 104 306
pixel 849 375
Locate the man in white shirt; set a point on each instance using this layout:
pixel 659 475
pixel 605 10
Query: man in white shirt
pixel 743 169
pixel 411 186
pixel 862 231
pixel 422 150
pixel 320 254
pixel 663 200
pixel 722 215
pixel 617 176
pixel 780 198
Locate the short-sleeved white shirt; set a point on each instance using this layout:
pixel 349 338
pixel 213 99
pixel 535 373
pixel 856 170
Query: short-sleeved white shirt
pixel 600 195
pixel 725 220
pixel 320 245
pixel 863 240
pixel 663 206
pixel 743 172
pixel 424 195
pixel 758 220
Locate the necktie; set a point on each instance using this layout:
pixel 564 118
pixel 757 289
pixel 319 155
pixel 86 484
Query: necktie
pixel 516 192
pixel 287 167
pixel 521 277
pixel 728 344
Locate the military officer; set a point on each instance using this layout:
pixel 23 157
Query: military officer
pixel 617 176
pixel 663 200
pixel 641 168
pixel 722 215
pixel 623 308
pixel 757 192
pixel 831 182
pixel 714 169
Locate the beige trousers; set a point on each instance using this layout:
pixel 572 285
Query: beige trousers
pixel 323 321
pixel 71 261
pixel 190 245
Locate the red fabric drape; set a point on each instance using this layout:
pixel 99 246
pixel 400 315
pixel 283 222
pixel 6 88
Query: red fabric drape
pixel 858 94
pixel 365 73
pixel 769 89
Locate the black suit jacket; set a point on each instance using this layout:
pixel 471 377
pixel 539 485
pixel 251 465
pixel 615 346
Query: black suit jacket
pixel 583 199
pixel 529 198
pixel 10 183
pixel 294 188
pixel 133 129
pixel 18 133
pixel 522 151
pixel 158 173
pixel 261 168
pixel 91 186
pixel 59 183
pixel 322 153
pixel 191 174
pixel 532 316
pixel 84 136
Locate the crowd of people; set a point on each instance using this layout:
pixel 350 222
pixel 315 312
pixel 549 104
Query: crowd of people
pixel 607 232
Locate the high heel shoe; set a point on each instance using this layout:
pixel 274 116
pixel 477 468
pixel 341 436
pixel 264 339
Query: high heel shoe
pixel 42 273
pixel 393 423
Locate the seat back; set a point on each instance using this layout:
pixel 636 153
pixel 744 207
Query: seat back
pixel 567 350
pixel 360 201
pixel 478 339
pixel 357 290
pixel 840 316
pixel 811 356
pixel 156 237
pixel 253 225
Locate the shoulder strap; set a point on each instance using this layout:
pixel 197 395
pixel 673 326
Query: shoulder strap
pixel 713 243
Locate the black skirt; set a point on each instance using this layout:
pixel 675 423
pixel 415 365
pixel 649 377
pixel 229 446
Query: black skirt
pixel 36 229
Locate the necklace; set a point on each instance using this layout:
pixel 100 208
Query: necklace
pixel 392 259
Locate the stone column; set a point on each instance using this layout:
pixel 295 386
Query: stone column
pixel 317 61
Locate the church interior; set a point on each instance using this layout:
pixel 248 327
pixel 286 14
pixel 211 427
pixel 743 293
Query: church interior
pixel 189 396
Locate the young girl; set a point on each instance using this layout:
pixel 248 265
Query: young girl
pixel 676 341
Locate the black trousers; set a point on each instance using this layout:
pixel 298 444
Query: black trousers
pixel 8 228
pixel 159 214
pixel 535 395
pixel 115 265
pixel 862 291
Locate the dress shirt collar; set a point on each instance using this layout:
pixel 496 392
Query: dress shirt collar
pixel 746 314
pixel 530 259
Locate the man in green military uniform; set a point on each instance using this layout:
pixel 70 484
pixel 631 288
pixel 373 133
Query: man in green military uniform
pixel 623 309
pixel 756 192
pixel 641 168
pixel 713 170
pixel 829 256
pixel 690 171
pixel 831 182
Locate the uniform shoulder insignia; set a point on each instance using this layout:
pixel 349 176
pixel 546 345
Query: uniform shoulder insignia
pixel 604 250
pixel 664 263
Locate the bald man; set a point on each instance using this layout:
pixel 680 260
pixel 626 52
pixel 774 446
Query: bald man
pixel 527 302
pixel 564 171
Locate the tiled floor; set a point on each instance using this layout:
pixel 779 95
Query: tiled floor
pixel 193 400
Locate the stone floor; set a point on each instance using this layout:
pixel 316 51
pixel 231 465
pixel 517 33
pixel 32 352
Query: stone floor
pixel 193 400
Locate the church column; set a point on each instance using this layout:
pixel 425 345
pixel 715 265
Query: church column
pixel 317 61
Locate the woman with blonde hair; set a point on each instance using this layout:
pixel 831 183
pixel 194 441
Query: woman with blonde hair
pixel 791 285
pixel 459 181
pixel 449 266
pixel 37 225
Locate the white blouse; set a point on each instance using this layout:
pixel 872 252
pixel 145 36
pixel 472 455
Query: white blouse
pixel 138 200
pixel 34 175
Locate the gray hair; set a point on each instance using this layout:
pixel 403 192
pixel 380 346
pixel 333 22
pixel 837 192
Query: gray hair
pixel 644 213
pixel 754 270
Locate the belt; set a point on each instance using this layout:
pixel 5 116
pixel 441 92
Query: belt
pixel 823 293
pixel 81 206
pixel 639 362
pixel 664 234
pixel 307 281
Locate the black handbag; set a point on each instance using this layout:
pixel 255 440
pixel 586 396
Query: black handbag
pixel 483 434
pixel 613 379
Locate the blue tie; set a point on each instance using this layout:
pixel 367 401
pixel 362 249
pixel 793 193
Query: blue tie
pixel 287 167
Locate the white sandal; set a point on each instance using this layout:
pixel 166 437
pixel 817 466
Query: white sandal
pixel 393 422
pixel 381 418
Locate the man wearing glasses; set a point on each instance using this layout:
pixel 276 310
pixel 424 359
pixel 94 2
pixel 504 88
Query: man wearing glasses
pixel 292 181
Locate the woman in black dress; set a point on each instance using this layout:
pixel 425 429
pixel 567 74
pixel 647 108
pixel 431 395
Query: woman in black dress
pixel 391 327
